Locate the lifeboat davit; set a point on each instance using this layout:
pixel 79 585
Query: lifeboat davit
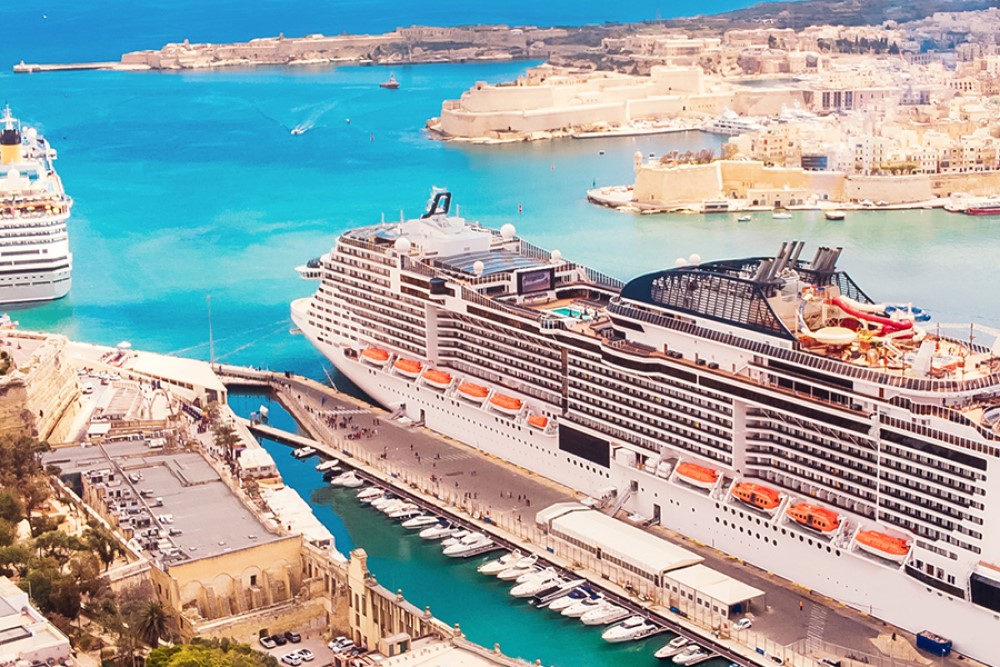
pixel 538 421
pixel 882 545
pixel 506 404
pixel 408 367
pixel 437 379
pixel 376 356
pixel 756 495
pixel 812 516
pixel 697 475
pixel 473 392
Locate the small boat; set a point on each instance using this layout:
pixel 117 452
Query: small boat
pixel 813 516
pixel 347 480
pixel 390 83
pixel 328 475
pixel 538 421
pixel 437 379
pixel 632 628
pixel 671 648
pixel 744 218
pixel 882 545
pixel 404 512
pixel 781 216
pixel 691 655
pixel 444 529
pixel 605 613
pixel 524 566
pixel 375 356
pixel 473 392
pixel 756 495
pixel 498 565
pixel 506 404
pixel 298 130
pixel 383 500
pixel 537 572
pixel 834 215
pixel 697 475
pixel 303 452
pixel 394 505
pixel 370 494
pixel 455 538
pixel 408 367
pixel 421 521
pixel 578 609
pixel 468 545
pixel 327 465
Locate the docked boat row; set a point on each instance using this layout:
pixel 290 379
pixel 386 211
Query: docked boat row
pixel 864 443
pixel 473 392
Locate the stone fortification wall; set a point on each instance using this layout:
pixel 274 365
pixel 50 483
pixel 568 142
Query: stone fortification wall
pixel 889 189
pixel 40 396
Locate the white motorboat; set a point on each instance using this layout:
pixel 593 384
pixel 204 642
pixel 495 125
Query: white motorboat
pixel 565 602
pixel 340 479
pixel 371 494
pixel 536 573
pixel 421 521
pixel 390 506
pixel 405 513
pixel 523 566
pixel 498 565
pixel 303 452
pixel 455 538
pixel 578 609
pixel 442 530
pixel 537 586
pixel 327 465
pixel 632 628
pixel 383 500
pixel 604 614
pixel 352 481
pixel 781 216
pixel 671 648
pixel 468 545
pixel 691 655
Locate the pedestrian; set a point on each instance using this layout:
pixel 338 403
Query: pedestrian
pixel 801 605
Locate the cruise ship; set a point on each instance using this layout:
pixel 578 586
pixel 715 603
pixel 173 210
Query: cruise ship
pixel 766 405
pixel 35 261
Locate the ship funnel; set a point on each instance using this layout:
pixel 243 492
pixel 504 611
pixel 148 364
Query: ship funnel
pixel 10 139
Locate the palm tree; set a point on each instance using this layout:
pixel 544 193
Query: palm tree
pixel 103 543
pixel 153 623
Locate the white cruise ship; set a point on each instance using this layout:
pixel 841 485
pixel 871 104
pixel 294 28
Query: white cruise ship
pixel 766 405
pixel 35 261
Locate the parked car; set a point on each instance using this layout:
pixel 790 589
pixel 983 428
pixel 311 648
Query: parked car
pixel 743 624
pixel 279 640
pixel 306 655
pixel 292 659
pixel 341 645
pixel 293 636
pixel 267 642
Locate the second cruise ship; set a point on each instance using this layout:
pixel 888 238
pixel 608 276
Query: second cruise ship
pixel 35 261
pixel 765 405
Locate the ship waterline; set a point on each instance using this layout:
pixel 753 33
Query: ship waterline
pixel 720 367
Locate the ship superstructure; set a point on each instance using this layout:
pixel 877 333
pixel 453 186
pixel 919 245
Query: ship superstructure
pixel 765 405
pixel 35 260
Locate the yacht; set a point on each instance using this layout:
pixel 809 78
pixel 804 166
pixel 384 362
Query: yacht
pixel 470 545
pixel 565 602
pixel 498 565
pixel 34 210
pixel 454 539
pixel 605 613
pixel 671 648
pixel 589 603
pixel 778 370
pixel 370 495
pixel 443 530
pixel 421 521
pixel 632 628
pixel 523 566
pixel 327 465
pixel 347 480
pixel 692 655
pixel 537 585
pixel 406 513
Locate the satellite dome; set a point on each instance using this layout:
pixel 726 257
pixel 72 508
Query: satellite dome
pixel 402 245
pixel 507 232
pixel 478 267
pixel 694 259
pixel 556 255
pixel 680 262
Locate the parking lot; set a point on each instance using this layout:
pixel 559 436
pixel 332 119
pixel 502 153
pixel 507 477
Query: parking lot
pixel 316 644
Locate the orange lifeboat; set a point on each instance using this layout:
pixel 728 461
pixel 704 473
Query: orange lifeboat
pixel 473 392
pixel 437 379
pixel 376 356
pixel 815 517
pixel 506 404
pixel 538 421
pixel 882 545
pixel 408 367
pixel 697 475
pixel 756 495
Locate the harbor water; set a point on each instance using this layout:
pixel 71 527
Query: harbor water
pixel 452 588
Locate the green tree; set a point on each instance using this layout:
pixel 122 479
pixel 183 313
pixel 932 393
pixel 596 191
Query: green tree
pixel 58 545
pixel 226 438
pixel 8 533
pixel 153 623
pixel 11 507
pixel 14 560
pixel 104 545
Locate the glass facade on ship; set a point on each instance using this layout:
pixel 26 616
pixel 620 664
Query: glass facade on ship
pixel 775 371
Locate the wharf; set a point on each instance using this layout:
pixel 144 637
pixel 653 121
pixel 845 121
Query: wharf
pixel 33 68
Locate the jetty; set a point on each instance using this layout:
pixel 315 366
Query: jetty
pixel 33 68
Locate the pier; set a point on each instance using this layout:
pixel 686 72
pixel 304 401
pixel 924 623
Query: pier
pixel 34 68
pixel 279 435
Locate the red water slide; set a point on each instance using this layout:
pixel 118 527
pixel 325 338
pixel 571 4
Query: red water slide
pixel 888 325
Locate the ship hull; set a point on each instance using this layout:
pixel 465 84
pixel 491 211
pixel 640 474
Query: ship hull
pixel 35 286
